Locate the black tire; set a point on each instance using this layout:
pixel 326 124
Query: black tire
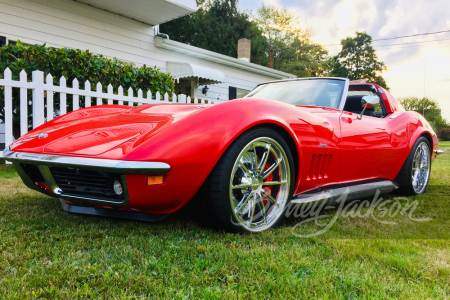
pixel 216 205
pixel 405 179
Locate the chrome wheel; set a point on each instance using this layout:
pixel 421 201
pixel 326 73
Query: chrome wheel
pixel 420 171
pixel 259 184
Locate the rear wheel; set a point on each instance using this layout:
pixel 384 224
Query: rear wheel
pixel 251 185
pixel 415 173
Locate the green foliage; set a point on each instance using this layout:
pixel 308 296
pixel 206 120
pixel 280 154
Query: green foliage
pixel 294 51
pixel 444 134
pixel 217 26
pixel 358 60
pixel 418 104
pixel 83 65
pixel 427 107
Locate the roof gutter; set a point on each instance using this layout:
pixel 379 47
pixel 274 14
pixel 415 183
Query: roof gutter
pixel 157 33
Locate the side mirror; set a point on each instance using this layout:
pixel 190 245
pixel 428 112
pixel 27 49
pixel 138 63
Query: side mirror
pixel 369 101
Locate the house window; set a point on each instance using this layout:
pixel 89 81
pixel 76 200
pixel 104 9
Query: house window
pixel 4 41
pixel 236 93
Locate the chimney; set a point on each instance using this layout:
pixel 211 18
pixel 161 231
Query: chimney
pixel 244 49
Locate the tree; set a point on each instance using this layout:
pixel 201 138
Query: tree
pixel 358 60
pixel 428 108
pixel 217 26
pixel 294 51
pixel 280 25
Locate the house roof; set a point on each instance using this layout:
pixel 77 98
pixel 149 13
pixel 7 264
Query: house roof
pixel 151 12
pixel 219 58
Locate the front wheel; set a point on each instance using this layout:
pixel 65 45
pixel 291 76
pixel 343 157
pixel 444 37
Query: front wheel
pixel 415 173
pixel 250 187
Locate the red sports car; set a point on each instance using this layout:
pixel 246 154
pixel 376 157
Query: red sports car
pixel 287 142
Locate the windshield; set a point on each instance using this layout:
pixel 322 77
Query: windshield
pixel 311 92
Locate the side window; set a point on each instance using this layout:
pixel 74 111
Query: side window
pixel 378 110
pixel 353 102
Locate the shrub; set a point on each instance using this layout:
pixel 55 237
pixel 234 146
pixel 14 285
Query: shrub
pixel 83 65
pixel 444 134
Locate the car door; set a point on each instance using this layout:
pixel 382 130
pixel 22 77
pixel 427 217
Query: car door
pixel 366 147
pixel 318 132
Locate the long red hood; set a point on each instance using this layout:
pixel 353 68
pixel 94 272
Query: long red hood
pixel 97 130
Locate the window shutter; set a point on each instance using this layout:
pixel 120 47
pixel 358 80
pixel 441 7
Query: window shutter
pixel 232 93
pixel 3 41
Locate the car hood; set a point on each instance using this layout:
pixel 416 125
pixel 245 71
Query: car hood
pixel 95 131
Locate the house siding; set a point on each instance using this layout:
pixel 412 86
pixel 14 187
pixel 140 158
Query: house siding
pixel 63 23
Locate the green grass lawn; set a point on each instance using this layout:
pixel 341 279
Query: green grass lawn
pixel 48 253
pixel 445 144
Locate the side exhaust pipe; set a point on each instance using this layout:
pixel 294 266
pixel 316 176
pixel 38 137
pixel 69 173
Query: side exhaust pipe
pixel 360 191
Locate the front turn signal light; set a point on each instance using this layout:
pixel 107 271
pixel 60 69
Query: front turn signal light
pixel 155 180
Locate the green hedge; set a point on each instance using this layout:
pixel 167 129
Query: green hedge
pixel 84 65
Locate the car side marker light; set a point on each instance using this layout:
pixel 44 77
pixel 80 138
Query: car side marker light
pixel 155 180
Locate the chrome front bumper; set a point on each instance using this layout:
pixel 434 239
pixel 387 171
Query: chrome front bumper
pixel 95 164
pixel 45 161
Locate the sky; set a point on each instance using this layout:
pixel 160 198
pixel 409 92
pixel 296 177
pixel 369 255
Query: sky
pixel 414 69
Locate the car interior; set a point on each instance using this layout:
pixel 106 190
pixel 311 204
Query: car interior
pixel 353 101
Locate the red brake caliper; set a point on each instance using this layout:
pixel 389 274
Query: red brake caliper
pixel 267 188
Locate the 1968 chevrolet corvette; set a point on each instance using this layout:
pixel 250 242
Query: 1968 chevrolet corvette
pixel 287 142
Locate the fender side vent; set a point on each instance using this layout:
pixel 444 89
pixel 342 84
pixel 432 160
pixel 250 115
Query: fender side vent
pixel 318 169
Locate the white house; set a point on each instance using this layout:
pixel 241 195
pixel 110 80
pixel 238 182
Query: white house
pixel 128 30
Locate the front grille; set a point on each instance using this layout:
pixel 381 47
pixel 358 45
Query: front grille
pixel 86 183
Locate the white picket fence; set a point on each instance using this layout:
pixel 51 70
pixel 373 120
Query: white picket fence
pixel 43 96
